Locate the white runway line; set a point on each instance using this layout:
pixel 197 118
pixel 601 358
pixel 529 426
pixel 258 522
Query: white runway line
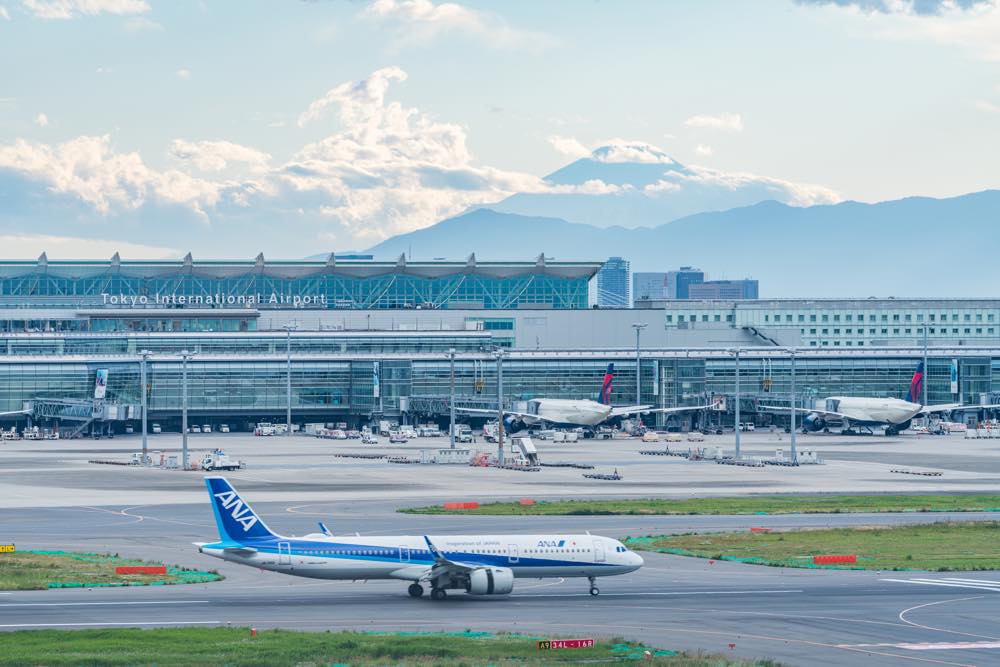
pixel 130 624
pixel 618 595
pixel 99 604
pixel 977 584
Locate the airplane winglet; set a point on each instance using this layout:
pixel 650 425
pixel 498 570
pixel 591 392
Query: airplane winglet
pixel 433 549
pixel 323 529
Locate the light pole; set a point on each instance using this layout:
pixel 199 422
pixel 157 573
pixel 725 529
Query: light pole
pixel 451 400
pixel 638 368
pixel 736 354
pixel 927 370
pixel 143 358
pixel 288 378
pixel 185 355
pixel 498 353
pixel 795 455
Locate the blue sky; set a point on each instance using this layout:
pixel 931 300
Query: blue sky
pixel 157 126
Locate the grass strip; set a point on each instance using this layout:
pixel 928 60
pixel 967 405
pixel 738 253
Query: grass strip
pixel 172 647
pixel 791 504
pixel 941 547
pixel 32 570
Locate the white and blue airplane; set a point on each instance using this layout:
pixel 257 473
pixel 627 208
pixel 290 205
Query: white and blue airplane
pixel 477 564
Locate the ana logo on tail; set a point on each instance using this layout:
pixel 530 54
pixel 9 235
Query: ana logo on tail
pixel 609 375
pixel 237 509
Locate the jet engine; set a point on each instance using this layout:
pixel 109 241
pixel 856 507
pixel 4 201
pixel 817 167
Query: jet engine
pixel 813 422
pixel 491 581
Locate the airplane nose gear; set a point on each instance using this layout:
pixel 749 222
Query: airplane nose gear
pixel 594 590
pixel 415 590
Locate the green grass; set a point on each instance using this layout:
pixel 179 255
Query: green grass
pixel 31 570
pixel 736 505
pixel 938 546
pixel 276 648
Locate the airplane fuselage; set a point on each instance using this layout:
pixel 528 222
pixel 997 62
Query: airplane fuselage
pixel 581 412
pixel 321 556
pixel 862 410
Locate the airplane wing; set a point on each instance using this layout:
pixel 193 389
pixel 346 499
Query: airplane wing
pixel 644 409
pixel 948 407
pixel 443 564
pixel 493 413
pixel 808 411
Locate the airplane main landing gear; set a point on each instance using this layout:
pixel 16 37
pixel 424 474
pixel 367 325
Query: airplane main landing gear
pixel 415 590
pixel 594 590
pixel 438 594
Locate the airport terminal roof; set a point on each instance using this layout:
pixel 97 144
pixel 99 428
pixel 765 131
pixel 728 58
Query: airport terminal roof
pixel 291 269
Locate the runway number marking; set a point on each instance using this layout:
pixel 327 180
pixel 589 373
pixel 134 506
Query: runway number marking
pixel 557 644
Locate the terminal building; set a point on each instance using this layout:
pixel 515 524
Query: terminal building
pixel 71 354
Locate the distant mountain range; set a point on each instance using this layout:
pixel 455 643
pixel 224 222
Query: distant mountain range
pixel 912 247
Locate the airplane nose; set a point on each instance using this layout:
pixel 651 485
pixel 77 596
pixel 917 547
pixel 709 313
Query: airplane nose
pixel 635 560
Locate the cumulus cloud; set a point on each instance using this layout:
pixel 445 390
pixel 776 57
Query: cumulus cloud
pixel 988 107
pixel 569 146
pixel 41 120
pixel 796 194
pixel 32 245
pixel 702 149
pixel 423 20
pixel 731 122
pixel 217 155
pixel 972 25
pixel 4 14
pixel 388 169
pixel 70 9
pixel 622 150
pixel 183 73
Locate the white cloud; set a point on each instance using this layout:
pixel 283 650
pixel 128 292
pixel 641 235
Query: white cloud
pixel 988 107
pixel 569 146
pixel 4 14
pixel 623 150
pixel 41 120
pixel 71 9
pixel 88 168
pixel 422 20
pixel 731 122
pixel 217 155
pixel 702 149
pixel 970 25
pixel 389 169
pixel 184 73
pixel 68 247
pixel 795 194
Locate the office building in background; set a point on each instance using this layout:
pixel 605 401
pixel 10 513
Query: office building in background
pixel 612 284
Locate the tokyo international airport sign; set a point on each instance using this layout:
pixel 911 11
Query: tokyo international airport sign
pixel 220 299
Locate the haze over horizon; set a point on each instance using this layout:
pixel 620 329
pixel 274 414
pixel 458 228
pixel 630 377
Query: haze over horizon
pixel 360 121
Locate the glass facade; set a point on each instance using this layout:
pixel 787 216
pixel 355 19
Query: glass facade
pixel 354 285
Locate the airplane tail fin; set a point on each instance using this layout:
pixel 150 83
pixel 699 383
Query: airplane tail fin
pixel 609 375
pixel 915 394
pixel 234 517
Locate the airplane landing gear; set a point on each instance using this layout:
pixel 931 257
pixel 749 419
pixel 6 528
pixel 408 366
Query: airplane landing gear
pixel 594 590
pixel 438 594
pixel 415 590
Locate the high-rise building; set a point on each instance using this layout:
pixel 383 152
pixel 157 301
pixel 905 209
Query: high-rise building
pixel 649 285
pixel 612 284
pixel 723 289
pixel 679 282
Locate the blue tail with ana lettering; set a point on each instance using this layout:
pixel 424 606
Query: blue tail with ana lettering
pixel 235 518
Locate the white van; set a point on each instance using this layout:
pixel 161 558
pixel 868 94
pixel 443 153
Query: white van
pixel 157 429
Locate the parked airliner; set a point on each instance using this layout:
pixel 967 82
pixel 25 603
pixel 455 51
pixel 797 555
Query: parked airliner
pixel 577 412
pixel 892 413
pixel 477 564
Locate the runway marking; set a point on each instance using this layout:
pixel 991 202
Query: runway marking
pixel 621 595
pixel 902 617
pixel 99 604
pixel 131 624
pixel 931 646
pixel 952 583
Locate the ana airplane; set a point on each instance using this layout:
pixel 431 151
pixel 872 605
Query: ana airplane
pixel 577 412
pixel 477 564
pixel 892 413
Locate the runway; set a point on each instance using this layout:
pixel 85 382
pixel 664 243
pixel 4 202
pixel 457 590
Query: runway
pixel 800 617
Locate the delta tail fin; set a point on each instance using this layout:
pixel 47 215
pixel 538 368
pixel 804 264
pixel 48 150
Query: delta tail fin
pixel 609 376
pixel 235 518
pixel 915 394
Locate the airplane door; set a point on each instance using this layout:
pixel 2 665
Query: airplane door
pixel 404 554
pixel 284 553
pixel 598 551
pixel 512 556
